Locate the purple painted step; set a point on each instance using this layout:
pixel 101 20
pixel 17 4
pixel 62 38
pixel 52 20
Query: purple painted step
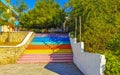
pixel 51 35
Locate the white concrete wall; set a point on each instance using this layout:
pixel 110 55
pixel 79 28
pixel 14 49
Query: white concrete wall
pixel 88 63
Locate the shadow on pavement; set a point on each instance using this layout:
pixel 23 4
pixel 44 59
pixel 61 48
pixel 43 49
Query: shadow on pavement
pixel 63 68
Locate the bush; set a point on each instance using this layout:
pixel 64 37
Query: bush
pixel 112 64
pixel 114 44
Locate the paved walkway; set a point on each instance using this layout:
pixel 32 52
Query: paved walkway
pixel 40 69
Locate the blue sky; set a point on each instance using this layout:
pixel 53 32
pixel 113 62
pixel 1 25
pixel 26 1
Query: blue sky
pixel 31 3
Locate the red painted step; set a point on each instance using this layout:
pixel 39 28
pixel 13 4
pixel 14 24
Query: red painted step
pixel 66 46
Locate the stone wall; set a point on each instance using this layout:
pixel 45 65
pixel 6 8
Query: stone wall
pixel 12 36
pixel 9 54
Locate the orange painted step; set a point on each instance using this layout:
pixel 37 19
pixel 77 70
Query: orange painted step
pixel 66 46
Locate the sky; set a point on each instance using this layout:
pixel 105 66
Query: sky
pixel 31 3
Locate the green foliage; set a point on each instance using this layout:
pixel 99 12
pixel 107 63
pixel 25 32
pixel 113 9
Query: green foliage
pixel 22 7
pixel 100 29
pixel 2 8
pixel 4 14
pixel 99 21
pixel 114 45
pixel 45 14
pixel 58 19
pixel 112 65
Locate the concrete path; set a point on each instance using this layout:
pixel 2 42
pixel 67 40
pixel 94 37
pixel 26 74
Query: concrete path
pixel 40 69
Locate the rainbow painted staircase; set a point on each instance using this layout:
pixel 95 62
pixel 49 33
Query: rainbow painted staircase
pixel 48 48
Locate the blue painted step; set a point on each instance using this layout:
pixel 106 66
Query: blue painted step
pixel 49 39
pixel 51 42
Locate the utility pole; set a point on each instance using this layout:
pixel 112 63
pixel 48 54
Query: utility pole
pixel 81 43
pixel 75 29
pixel 64 26
pixel 80 27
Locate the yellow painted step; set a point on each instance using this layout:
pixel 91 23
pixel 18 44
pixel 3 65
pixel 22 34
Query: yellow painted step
pixel 47 51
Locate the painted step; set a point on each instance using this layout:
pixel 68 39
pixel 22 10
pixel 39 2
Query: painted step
pixel 66 46
pixel 47 51
pixel 38 58
pixel 47 58
pixel 52 35
pixel 52 42
pixel 53 50
pixel 40 40
pixel 43 61
pixel 50 39
pixel 46 55
pixel 48 48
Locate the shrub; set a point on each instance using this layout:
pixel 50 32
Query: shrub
pixel 114 44
pixel 112 64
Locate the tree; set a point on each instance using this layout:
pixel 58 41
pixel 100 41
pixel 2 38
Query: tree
pixel 58 19
pixel 100 29
pixel 99 21
pixel 22 7
pixel 4 14
pixel 45 14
